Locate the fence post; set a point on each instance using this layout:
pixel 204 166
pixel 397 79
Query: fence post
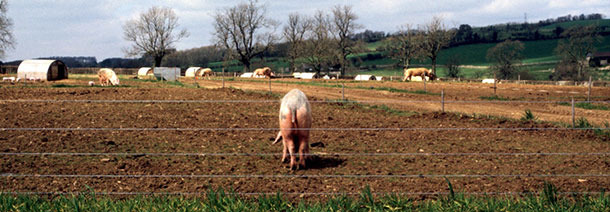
pixel 443 100
pixel 25 81
pixel 223 77
pixel 342 91
pixel 425 90
pixel 573 114
pixel 589 93
pixel 269 84
pixel 495 81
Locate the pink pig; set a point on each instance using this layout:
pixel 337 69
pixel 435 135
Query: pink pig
pixel 295 123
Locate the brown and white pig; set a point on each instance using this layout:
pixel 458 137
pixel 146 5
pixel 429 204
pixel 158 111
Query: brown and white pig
pixel 295 124
pixel 265 71
pixel 107 77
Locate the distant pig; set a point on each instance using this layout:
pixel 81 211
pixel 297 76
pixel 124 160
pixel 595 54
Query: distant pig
pixel 295 123
pixel 107 77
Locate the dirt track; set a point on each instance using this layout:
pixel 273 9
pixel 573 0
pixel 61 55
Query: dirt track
pixel 532 170
pixel 453 92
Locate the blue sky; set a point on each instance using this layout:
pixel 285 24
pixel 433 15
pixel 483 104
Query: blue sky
pixel 94 28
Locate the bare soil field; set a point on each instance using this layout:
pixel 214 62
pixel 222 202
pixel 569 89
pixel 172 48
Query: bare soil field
pixel 247 129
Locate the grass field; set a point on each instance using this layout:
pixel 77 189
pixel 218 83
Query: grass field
pixel 565 25
pixel 549 199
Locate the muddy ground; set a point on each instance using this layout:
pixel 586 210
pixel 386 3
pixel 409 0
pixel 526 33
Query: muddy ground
pixel 383 173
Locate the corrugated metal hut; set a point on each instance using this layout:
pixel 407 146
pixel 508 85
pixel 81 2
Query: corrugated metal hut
pixel 167 73
pixel 246 75
pixel 42 70
pixel 251 75
pixel 305 75
pixel 364 77
pixel 145 73
pixel 193 72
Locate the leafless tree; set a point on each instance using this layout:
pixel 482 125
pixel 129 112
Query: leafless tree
pixel 320 46
pixel 245 30
pixel 344 21
pixel 294 33
pixel 573 49
pixel 404 46
pixel 152 33
pixel 436 37
pixel 7 41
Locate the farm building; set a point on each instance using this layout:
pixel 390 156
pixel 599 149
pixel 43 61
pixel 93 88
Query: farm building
pixel 365 77
pixel 167 73
pixel 42 70
pixel 193 71
pixel 145 72
pixel 250 75
pixel 305 75
pixel 489 81
pixel 599 59
pixel 245 75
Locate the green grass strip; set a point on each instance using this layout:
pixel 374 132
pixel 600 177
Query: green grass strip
pixel 586 105
pixel 547 200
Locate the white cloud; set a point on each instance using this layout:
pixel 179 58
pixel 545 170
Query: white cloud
pixel 575 4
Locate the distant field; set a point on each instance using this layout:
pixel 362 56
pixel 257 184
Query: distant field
pixel 374 45
pixel 535 52
pixel 565 25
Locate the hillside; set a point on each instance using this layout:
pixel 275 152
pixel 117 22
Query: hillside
pixel 539 55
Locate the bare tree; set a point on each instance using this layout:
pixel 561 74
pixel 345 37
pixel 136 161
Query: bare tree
pixel 436 37
pixel 245 30
pixel 320 46
pixel 7 41
pixel 573 49
pixel 294 33
pixel 152 33
pixel 344 21
pixel 504 56
pixel 404 46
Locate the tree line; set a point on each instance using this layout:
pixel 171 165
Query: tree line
pixel 324 40
pixel 465 34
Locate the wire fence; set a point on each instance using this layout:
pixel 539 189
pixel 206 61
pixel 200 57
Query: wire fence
pixel 279 101
pixel 302 176
pixel 305 129
pixel 289 193
pixel 220 154
pixel 573 103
